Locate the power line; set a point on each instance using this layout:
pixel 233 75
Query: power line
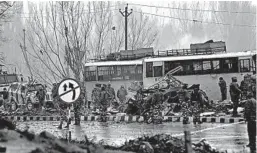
pixel 199 21
pixel 187 9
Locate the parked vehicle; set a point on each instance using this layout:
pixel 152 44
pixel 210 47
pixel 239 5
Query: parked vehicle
pixel 24 95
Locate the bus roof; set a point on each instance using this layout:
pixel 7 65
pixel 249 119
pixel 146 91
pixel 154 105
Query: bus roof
pixel 108 63
pixel 198 57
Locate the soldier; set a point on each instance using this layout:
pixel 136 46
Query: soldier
pixel 63 110
pixel 183 94
pixel 41 97
pixel 77 106
pixel 245 86
pixel 250 117
pixel 196 103
pixel 235 95
pixel 96 95
pixel 111 91
pixel 121 94
pixel 157 97
pixel 104 100
pixel 223 88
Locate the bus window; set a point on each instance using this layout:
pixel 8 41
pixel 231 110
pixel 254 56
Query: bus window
pixel 216 66
pixel 103 73
pixel 2 80
pixel 157 71
pixel 11 78
pixel 229 65
pixel 197 65
pixel 149 69
pixel 245 65
pixel 207 67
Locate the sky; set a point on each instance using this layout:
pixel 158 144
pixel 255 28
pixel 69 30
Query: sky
pixel 171 36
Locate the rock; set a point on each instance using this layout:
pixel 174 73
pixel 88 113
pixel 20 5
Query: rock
pixel 58 145
pixel 37 150
pixel 7 124
pixel 145 147
pixel 47 135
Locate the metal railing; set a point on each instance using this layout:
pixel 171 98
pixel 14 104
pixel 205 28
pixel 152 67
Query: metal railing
pixel 174 82
pixel 173 52
pixel 186 52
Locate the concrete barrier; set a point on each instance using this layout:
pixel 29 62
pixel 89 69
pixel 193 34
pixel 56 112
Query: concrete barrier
pixel 126 118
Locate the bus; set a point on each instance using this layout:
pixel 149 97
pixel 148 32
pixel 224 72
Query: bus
pixel 116 73
pixel 201 69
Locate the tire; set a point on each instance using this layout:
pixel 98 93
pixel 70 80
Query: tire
pixel 29 106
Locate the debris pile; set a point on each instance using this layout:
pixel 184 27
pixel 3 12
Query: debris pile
pixel 163 143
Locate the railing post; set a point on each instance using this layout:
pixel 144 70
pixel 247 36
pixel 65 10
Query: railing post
pixel 188 144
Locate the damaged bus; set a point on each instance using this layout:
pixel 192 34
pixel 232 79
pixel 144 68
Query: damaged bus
pixel 202 69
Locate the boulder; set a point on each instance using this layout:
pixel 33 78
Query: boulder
pixel 145 147
pixel 47 135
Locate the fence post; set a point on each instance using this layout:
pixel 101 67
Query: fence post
pixel 188 144
pixel 69 136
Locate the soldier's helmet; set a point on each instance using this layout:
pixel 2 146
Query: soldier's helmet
pixel 185 86
pixel 234 79
pixel 156 87
pixel 220 78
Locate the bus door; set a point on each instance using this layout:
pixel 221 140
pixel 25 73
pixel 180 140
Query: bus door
pixel 153 72
pixel 244 64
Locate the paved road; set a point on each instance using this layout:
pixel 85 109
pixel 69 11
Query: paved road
pixel 221 136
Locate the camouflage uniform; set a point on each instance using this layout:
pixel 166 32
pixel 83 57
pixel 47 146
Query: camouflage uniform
pixel 104 96
pixel 63 111
pixel 235 94
pixel 250 116
pixel 96 96
pixel 245 86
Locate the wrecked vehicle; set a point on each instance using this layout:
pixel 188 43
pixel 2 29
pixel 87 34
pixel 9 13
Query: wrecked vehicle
pixel 23 95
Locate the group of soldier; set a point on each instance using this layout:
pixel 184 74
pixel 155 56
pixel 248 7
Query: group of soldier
pixel 246 91
pixel 237 93
pixel 103 96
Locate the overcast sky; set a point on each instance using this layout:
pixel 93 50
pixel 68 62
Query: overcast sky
pixel 171 36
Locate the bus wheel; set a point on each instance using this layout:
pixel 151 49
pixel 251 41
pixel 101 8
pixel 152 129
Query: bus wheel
pixel 14 106
pixel 30 106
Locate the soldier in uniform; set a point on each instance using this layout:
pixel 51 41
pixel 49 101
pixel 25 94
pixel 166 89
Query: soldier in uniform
pixel 63 110
pixel 96 95
pixel 245 86
pixel 77 105
pixel 250 117
pixel 41 97
pixel 104 100
pixel 121 94
pixel 183 97
pixel 111 91
pixel 235 94
pixel 196 104
pixel 223 88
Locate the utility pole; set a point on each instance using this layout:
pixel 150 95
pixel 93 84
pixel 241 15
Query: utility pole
pixel 126 14
pixel 23 48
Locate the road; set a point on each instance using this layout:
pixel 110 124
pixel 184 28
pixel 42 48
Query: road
pixel 221 136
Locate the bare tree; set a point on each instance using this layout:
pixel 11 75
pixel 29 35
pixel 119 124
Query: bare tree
pixel 143 32
pixel 5 7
